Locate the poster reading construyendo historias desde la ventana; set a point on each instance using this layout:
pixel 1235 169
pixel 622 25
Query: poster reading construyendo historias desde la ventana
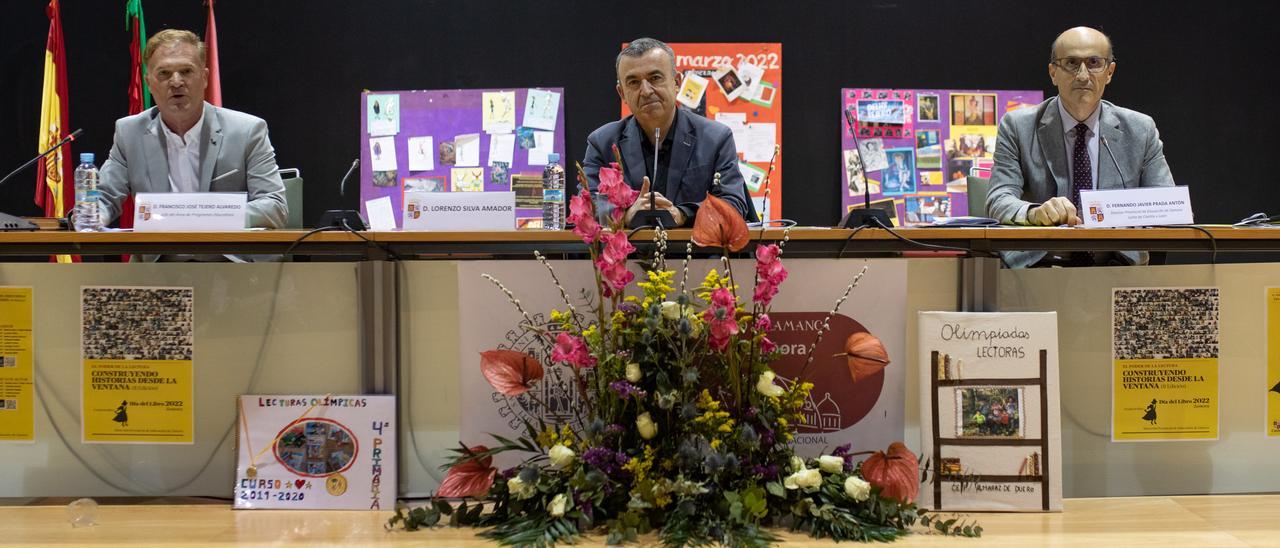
pixel 136 348
pixel 1164 382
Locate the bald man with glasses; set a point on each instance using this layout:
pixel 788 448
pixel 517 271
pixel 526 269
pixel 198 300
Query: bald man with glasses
pixel 1076 141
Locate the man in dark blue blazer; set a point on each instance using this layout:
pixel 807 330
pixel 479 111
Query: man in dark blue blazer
pixel 690 149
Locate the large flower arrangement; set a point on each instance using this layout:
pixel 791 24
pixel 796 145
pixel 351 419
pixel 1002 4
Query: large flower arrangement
pixel 683 431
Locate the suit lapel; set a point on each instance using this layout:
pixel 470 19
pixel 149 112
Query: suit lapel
pixel 210 146
pixel 1049 134
pixel 632 156
pixel 681 151
pixel 156 157
pixel 1109 129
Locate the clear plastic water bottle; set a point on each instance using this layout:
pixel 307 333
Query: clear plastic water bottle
pixel 553 194
pixel 86 215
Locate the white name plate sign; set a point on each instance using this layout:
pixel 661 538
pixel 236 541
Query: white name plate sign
pixel 1167 205
pixel 188 211
pixel 459 211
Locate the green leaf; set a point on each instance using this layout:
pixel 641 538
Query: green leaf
pixel 443 506
pixel 776 489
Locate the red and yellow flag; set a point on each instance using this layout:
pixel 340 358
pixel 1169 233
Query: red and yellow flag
pixel 139 95
pixel 55 190
pixel 213 92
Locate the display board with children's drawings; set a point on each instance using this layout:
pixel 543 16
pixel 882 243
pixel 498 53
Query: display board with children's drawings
pixel 460 140
pixel 918 147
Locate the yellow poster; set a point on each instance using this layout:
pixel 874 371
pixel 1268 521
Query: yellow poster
pixel 17 369
pixel 1273 361
pixel 1165 364
pixel 137 379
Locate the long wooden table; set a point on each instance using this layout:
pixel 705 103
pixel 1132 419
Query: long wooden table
pixel 810 241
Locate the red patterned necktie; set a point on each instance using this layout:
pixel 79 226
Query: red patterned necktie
pixel 1081 167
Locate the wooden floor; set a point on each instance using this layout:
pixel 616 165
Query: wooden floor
pixel 1167 522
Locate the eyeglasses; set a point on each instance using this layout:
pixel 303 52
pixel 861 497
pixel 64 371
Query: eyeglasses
pixel 1095 64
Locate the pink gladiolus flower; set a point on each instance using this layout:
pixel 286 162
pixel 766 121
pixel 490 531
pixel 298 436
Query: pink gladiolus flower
pixel 770 274
pixel 615 189
pixel 616 248
pixel 720 318
pixel 582 215
pixel 572 350
pixel 615 276
pixel 764 323
pixel 767 346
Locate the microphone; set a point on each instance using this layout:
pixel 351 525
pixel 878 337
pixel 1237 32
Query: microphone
pixel 865 217
pixel 74 135
pixel 653 217
pixel 10 222
pixel 1113 158
pixel 657 145
pixel 342 185
pixel 348 219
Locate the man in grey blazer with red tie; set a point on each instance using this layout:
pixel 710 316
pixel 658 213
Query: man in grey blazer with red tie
pixel 1075 141
pixel 184 144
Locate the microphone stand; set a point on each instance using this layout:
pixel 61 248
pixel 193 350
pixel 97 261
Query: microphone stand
pixel 9 222
pixel 867 217
pixel 652 217
pixel 344 218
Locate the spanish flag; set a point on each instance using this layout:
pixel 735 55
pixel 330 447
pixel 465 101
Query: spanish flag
pixel 55 119
pixel 213 91
pixel 55 188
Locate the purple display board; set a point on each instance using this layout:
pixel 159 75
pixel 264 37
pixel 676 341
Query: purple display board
pixel 930 139
pixel 460 140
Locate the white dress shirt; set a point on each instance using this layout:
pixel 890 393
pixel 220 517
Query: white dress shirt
pixel 1091 139
pixel 183 153
pixel 1069 142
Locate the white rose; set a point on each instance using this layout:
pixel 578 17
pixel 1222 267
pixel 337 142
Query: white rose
pixel 797 463
pixel 561 456
pixel 519 489
pixel 765 385
pixel 810 478
pixel 559 504
pixel 633 372
pixel 671 310
pixel 644 423
pixel 831 464
pixel 857 488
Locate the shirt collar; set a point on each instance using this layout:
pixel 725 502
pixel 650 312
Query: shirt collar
pixel 1069 123
pixel 187 138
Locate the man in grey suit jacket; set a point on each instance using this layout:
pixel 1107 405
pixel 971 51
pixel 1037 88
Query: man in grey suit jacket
pixel 690 151
pixel 184 144
pixel 1074 141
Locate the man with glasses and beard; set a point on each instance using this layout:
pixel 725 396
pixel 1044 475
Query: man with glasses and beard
pixel 1046 155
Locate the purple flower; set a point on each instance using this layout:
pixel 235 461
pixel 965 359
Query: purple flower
pixel 615 428
pixel 841 450
pixel 510 472
pixel 629 308
pixel 626 390
pixel 605 460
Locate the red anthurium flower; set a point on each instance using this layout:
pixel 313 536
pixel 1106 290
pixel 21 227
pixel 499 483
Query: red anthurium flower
pixel 509 372
pixel 866 355
pixel 718 224
pixel 896 473
pixel 470 478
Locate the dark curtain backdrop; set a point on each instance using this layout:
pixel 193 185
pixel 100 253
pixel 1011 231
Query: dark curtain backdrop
pixel 1203 70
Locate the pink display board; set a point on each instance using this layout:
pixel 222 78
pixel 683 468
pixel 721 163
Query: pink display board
pixel 931 139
